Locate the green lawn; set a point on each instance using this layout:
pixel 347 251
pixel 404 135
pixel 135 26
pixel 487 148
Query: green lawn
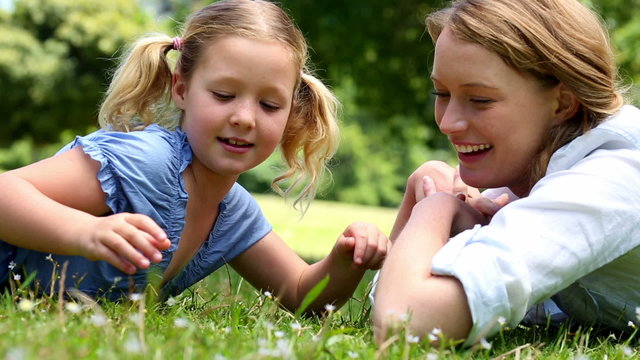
pixel 313 235
pixel 223 317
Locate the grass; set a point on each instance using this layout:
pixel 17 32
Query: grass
pixel 223 317
pixel 313 235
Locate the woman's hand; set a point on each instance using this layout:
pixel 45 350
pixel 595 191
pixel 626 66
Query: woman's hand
pixel 437 176
pixel 448 180
pixel 126 241
pixel 485 206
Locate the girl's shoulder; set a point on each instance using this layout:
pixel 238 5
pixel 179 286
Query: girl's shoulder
pixel 148 140
pixel 150 149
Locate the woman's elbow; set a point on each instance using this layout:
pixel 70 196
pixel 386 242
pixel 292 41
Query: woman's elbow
pixel 391 316
pixel 440 310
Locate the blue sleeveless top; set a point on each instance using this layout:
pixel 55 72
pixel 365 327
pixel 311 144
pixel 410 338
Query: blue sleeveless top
pixel 141 172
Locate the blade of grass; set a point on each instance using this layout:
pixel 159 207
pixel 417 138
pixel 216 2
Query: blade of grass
pixel 312 295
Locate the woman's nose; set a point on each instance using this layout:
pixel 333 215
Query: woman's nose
pixel 452 120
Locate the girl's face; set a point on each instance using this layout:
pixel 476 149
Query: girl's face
pixel 495 117
pixel 237 103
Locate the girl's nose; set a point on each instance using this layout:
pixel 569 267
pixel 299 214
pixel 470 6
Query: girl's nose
pixel 244 116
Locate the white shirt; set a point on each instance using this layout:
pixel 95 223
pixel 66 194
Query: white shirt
pixel 576 236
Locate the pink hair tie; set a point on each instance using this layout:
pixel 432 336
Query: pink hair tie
pixel 177 43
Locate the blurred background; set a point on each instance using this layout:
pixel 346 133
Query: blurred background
pixel 56 57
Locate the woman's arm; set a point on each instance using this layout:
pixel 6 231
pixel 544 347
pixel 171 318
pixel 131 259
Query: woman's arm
pixel 406 284
pixel 271 265
pixel 431 177
pixel 52 206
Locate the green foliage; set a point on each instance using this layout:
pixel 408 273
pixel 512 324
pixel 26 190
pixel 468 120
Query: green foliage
pixel 55 57
pixel 24 151
pixel 376 56
pixel 53 66
pixel 312 295
pixel 624 26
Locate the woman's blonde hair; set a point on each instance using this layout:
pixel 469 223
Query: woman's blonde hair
pixel 555 41
pixel 140 91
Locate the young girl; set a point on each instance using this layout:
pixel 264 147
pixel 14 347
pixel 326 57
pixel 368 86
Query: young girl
pixel 526 93
pixel 158 184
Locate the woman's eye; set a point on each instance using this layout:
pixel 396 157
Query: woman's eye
pixel 440 94
pixel 481 101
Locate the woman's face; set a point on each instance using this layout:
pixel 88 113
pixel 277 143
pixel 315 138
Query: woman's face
pixel 496 118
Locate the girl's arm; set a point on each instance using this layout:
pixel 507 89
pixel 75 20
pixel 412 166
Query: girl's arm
pixel 53 206
pixel 406 285
pixel 271 265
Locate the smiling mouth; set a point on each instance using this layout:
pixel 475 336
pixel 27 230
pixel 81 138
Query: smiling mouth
pixel 468 149
pixel 234 142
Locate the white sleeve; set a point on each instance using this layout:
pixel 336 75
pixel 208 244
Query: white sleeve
pixel 573 222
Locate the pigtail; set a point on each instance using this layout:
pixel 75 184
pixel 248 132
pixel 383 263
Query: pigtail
pixel 141 86
pixel 310 140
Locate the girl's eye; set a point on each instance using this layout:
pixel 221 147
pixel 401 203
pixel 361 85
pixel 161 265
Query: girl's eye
pixel 269 107
pixel 222 96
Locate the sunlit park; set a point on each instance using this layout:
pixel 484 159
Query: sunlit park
pixel 57 58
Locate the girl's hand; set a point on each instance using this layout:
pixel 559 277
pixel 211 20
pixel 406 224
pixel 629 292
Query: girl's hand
pixel 126 241
pixel 362 245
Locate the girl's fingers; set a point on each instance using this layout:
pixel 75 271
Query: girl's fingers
pixel 144 223
pixel 375 250
pixel 359 251
pixel 141 241
pixel 127 249
pixel 379 253
pixel 113 258
pixel 368 244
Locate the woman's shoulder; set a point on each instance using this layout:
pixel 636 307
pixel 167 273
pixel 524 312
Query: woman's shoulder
pixel 625 123
pixel 621 131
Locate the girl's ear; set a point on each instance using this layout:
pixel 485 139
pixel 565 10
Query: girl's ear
pixel 567 105
pixel 178 89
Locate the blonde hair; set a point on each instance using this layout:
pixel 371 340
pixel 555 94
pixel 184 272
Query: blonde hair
pixel 139 93
pixel 555 41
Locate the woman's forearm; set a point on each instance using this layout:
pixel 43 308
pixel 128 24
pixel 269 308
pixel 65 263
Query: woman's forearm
pixel 407 286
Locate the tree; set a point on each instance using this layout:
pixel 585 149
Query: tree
pixel 54 62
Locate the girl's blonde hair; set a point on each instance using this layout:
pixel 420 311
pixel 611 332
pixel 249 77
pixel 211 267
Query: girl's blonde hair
pixel 555 41
pixel 140 92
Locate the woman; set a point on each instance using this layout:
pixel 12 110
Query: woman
pixel 526 92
